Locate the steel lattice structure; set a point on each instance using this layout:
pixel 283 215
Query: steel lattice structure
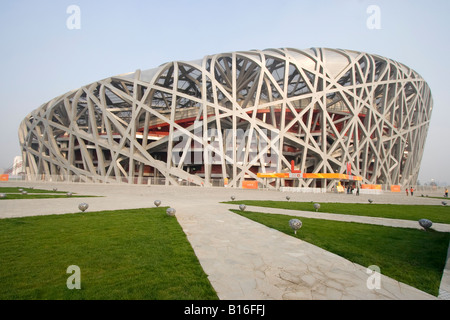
pixel 233 115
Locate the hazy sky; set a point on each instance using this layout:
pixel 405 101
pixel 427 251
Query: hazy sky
pixel 42 58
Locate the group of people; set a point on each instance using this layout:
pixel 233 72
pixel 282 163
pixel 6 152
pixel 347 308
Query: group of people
pixel 411 190
pixel 350 189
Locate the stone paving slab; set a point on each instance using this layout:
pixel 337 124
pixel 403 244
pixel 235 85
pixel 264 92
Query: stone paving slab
pixel 244 260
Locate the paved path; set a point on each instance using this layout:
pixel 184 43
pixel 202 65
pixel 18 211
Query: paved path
pixel 243 259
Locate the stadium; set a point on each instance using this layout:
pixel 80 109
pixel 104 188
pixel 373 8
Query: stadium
pixel 268 118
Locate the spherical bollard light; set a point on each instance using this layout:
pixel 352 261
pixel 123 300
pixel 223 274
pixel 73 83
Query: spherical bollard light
pixel 157 203
pixel 425 223
pixel 24 192
pixel 171 212
pixel 242 207
pixel 288 198
pixel 69 194
pixel 83 206
pixel 295 224
pixel 444 203
pixel 370 200
pixel 233 197
pixel 2 195
pixel 316 206
pixel 20 190
pixel 55 189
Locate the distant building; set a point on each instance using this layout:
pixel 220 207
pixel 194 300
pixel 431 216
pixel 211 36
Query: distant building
pixel 226 117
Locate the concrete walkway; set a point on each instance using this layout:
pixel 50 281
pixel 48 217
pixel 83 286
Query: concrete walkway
pixel 243 259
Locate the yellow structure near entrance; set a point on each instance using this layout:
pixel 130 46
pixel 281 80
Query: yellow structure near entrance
pixel 299 175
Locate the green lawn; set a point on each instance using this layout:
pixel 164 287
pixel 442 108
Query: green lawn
pixel 125 254
pixel 13 193
pixel 411 256
pixel 29 190
pixel 435 213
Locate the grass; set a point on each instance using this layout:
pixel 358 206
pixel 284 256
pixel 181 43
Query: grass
pixel 411 256
pixel 437 213
pixel 13 193
pixel 125 254
pixel 13 196
pixel 442 198
pixel 29 190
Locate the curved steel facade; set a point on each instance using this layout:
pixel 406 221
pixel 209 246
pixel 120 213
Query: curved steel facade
pixel 230 116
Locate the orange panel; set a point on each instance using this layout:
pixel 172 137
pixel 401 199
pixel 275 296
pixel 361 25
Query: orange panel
pixel 4 177
pixel 249 184
pixel 395 188
pixel 371 186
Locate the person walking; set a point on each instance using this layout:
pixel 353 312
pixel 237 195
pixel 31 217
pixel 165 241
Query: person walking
pixel 412 191
pixel 407 191
pixel 446 192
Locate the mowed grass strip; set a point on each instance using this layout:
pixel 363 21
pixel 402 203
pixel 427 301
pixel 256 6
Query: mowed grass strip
pixel 14 196
pixel 29 190
pixel 435 213
pixel 13 193
pixel 411 256
pixel 126 254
